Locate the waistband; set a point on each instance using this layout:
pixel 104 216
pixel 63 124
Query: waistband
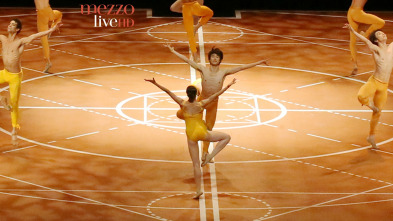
pixel 379 81
pixel 8 72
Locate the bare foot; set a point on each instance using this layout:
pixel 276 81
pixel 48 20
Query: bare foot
pixel 204 155
pixel 354 72
pixel 371 140
pixel 14 138
pixel 48 65
pixel 207 160
pixel 197 195
pixel 5 103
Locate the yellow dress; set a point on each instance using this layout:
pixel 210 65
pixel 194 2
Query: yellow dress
pixel 195 126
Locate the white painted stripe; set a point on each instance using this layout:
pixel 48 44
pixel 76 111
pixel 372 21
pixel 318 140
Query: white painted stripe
pixel 86 82
pixel 144 109
pixel 324 138
pixel 257 109
pixel 202 202
pixel 309 85
pixel 82 135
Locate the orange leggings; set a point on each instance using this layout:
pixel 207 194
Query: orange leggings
pixel 376 90
pixel 357 16
pixel 14 80
pixel 44 16
pixel 189 10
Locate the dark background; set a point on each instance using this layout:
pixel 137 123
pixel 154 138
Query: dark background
pixel 220 7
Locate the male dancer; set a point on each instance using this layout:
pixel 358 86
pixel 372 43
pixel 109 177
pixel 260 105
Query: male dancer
pixel 45 14
pixel 12 49
pixel 212 81
pixel 189 9
pixel 373 94
pixel 357 16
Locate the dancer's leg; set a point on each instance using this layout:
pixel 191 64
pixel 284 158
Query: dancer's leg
pixel 194 153
pixel 352 41
pixel 214 136
pixel 379 102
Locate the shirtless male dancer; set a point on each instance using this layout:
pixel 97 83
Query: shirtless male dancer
pixel 373 93
pixel 45 14
pixel 357 16
pixel 190 9
pixel 12 49
pixel 212 81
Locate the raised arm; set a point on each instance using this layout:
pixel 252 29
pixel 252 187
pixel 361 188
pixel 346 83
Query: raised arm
pixel 214 96
pixel 184 58
pixel 30 38
pixel 362 38
pixel 244 67
pixel 172 95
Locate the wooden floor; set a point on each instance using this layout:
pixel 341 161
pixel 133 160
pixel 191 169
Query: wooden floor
pixel 99 143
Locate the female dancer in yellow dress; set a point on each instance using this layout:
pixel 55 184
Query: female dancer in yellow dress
pixel 196 128
pixel 189 9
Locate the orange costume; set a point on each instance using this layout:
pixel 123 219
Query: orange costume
pixel 357 16
pixel 14 80
pixel 377 90
pixel 44 16
pixel 189 10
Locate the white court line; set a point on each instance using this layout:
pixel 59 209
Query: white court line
pixel 309 85
pixel 325 138
pixel 257 109
pixel 86 82
pixel 82 135
pixel 73 195
pixel 202 201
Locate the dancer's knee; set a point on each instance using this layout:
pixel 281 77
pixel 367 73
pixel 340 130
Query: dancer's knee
pixel 364 100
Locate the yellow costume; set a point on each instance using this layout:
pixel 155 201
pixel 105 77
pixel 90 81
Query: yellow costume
pixel 44 16
pixel 14 80
pixel 190 9
pixel 355 17
pixel 195 126
pixel 377 90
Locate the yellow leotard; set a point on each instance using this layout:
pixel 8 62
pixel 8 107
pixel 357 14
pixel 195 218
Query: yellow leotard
pixel 195 126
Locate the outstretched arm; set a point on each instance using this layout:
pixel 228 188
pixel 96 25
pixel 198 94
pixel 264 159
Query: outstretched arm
pixel 184 58
pixel 30 38
pixel 172 95
pixel 372 46
pixel 244 67
pixel 214 96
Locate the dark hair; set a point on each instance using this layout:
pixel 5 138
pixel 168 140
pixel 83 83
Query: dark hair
pixel 216 51
pixel 18 24
pixel 191 93
pixel 373 38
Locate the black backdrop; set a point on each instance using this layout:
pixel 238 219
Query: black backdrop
pixel 220 7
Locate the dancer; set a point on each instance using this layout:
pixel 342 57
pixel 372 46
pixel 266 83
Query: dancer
pixel 196 129
pixel 191 8
pixel 212 81
pixel 373 94
pixel 357 16
pixel 12 49
pixel 45 14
